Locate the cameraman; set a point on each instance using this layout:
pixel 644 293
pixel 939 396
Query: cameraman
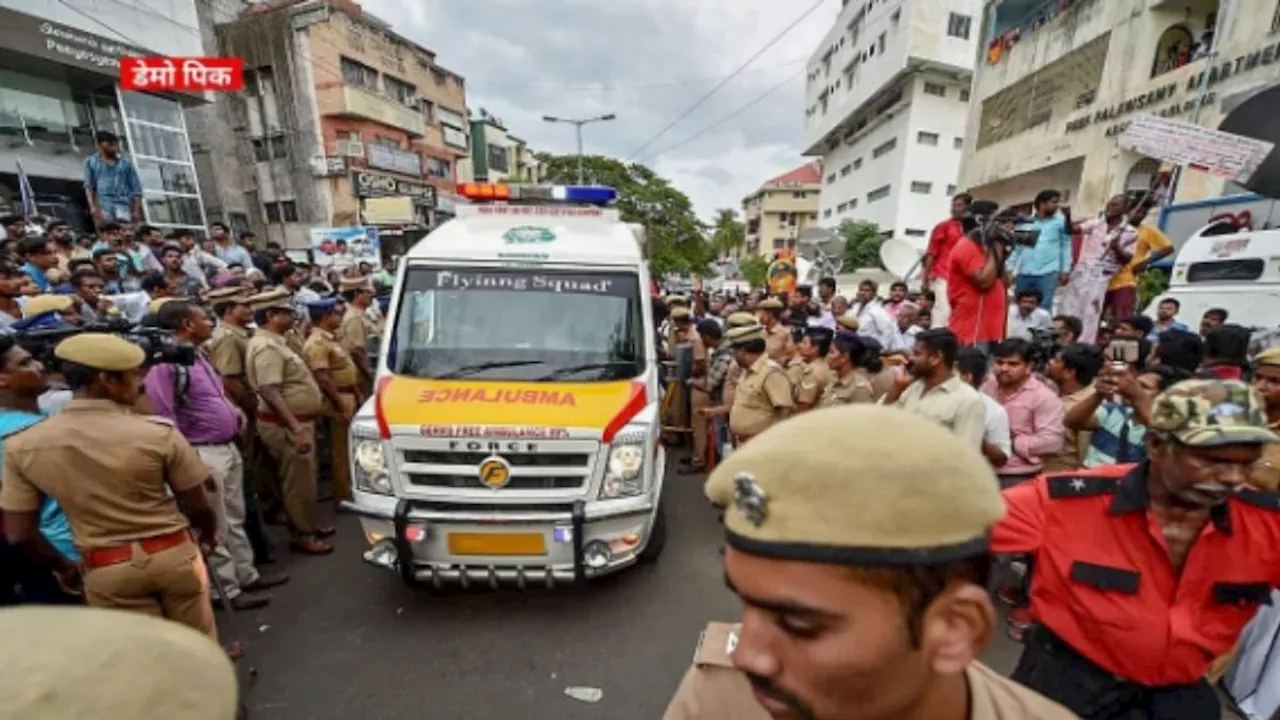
pixel 976 290
pixel 194 398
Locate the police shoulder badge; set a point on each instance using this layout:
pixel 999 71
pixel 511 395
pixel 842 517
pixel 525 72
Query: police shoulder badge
pixel 750 499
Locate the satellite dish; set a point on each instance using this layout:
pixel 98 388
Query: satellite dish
pixel 1255 116
pixel 900 258
pixel 823 241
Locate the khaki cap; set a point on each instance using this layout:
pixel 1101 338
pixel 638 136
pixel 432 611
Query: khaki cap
pixel 1270 357
pixel 93 663
pixel 277 298
pixel 41 304
pixel 838 486
pixel 100 351
pixel 771 304
pixel 680 313
pixel 354 283
pixel 232 292
pixel 1212 413
pixel 739 319
pixel 675 299
pixel 848 322
pixel 744 334
pixel 154 306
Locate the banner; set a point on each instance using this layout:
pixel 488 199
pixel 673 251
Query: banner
pixel 340 248
pixel 1212 151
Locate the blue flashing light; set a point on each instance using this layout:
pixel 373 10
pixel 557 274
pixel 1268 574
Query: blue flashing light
pixel 591 194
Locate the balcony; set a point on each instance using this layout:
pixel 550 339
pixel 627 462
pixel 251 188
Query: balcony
pixel 355 102
pixel 1030 34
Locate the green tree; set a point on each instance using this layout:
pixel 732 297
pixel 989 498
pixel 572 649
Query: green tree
pixel 755 270
pixel 861 244
pixel 675 237
pixel 728 233
pixel 1151 284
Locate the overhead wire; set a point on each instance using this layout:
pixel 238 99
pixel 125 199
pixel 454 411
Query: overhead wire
pixel 708 95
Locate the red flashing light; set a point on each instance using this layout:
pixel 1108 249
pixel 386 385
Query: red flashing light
pixel 484 191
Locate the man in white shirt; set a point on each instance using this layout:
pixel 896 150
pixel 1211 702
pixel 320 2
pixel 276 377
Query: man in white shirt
pixel 196 263
pixel 997 444
pixel 905 329
pixel 873 321
pixel 1027 315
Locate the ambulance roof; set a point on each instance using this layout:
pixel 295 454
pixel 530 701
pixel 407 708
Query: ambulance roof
pixel 553 234
pixel 1230 246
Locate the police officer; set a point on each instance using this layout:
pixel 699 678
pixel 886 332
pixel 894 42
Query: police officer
pixel 335 373
pixel 355 330
pixel 794 364
pixel 119 479
pixel 816 375
pixel 735 320
pixel 846 384
pixel 862 564
pixel 290 405
pixel 775 333
pixel 763 397
pixel 91 663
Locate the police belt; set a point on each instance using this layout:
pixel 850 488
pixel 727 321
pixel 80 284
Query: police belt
pixel 104 557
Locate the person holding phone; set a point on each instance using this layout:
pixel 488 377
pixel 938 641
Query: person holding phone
pixel 1118 411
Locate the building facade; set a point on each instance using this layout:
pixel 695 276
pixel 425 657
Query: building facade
pixel 782 208
pixel 497 156
pixel 886 103
pixel 1056 86
pixel 347 122
pixel 59 72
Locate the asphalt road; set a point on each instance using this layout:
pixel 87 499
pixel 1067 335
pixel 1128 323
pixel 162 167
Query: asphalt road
pixel 346 640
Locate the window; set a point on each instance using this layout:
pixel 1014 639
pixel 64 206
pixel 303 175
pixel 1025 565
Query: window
pixel 258 81
pixel 879 193
pixel 959 143
pixel 283 211
pixel 497 157
pixel 857 164
pixel 880 43
pixel 913 232
pixel 921 188
pixel 935 89
pixel 799 195
pixel 359 74
pixel 270 148
pixel 349 136
pixel 401 91
pixel 239 223
pixel 841 207
pixel 437 168
pixel 958 26
pixel 827 213
pixel 951 191
pixel 884 149
pixel 927 138
pixel 831 178
pixel 844 171
pixel 964 95
pixel 853 203
pixel 779 243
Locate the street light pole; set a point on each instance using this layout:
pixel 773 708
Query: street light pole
pixel 578 123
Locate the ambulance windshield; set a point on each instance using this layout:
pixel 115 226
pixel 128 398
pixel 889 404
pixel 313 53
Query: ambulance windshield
pixel 518 324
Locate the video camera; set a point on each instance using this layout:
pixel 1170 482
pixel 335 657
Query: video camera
pixel 1045 343
pixel 158 345
pixel 996 226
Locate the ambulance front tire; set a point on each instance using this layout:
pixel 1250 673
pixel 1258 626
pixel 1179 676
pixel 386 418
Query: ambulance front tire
pixel 657 537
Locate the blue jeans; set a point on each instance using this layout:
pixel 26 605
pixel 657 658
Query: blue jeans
pixel 1045 284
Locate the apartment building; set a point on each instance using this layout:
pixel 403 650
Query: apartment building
pixel 59 72
pixel 348 122
pixel 886 103
pixel 1057 83
pixel 497 155
pixel 780 209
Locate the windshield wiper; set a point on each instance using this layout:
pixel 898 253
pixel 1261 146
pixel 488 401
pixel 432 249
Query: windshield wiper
pixel 583 368
pixel 466 370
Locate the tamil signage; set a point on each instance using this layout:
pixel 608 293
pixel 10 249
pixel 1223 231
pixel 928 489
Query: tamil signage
pixel 385 157
pixel 375 185
pixel 1213 151
pixel 46 39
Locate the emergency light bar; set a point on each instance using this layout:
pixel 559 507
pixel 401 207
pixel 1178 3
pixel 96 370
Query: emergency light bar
pixel 583 194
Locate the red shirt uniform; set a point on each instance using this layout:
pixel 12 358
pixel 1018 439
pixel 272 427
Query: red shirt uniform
pixel 977 316
pixel 942 241
pixel 1104 583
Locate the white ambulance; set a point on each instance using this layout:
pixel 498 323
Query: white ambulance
pixel 1238 272
pixel 514 433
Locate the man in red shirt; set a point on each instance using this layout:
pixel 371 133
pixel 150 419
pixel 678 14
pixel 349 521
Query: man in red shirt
pixel 935 266
pixel 976 291
pixel 1145 573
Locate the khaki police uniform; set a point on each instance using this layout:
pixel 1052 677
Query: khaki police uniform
pixel 114 474
pixel 763 394
pixel 1266 472
pixel 325 353
pixel 812 383
pixel 271 360
pixel 678 405
pixel 837 487
pixel 794 370
pixel 74 662
pixel 777 337
pixel 848 390
pixel 698 399
pixel 355 330
pixel 735 320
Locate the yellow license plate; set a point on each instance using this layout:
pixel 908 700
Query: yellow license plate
pixel 497 544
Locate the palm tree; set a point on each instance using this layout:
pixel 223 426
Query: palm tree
pixel 728 233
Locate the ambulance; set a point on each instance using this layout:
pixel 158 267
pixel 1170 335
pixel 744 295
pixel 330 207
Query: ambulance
pixel 1236 271
pixel 513 435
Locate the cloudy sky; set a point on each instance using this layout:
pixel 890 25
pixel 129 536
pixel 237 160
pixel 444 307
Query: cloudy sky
pixel 645 60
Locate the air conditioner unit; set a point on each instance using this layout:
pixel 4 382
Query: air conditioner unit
pixel 351 148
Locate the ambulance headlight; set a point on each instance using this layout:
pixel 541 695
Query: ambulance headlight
pixel 369 461
pixel 624 473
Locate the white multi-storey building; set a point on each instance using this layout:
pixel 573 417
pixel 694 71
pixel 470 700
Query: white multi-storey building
pixel 886 102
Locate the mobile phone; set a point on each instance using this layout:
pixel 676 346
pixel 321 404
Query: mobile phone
pixel 1122 353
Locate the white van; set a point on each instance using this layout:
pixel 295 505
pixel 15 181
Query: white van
pixel 1238 272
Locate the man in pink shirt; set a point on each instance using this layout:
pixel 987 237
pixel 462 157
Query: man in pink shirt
pixel 1035 412
pixel 936 264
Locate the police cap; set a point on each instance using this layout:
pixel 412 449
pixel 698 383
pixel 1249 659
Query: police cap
pixel 838 486
pixel 675 300
pixel 66 662
pixel 277 298
pixel 354 283
pixel 740 319
pixel 225 294
pixel 848 322
pixel 154 306
pixel 100 351
pixel 744 334
pixel 41 304
pixel 771 303
pixel 680 313
pixel 1269 357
